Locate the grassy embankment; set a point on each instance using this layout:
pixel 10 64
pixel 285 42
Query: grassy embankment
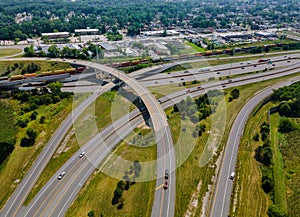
pixel 250 199
pixel 189 174
pixel 20 160
pixel 97 194
pixel 9 51
pixel 278 167
pixel 291 156
pixel 97 116
pixel 8 68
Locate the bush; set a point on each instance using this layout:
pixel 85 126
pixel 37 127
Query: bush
pixel 286 125
pixel 29 140
pixel 91 213
pixel 21 123
pixel 276 211
pixel 42 119
pixel 256 137
pixel 235 93
pixel 33 115
pixel 263 154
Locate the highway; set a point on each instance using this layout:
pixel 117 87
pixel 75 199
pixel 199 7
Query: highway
pixel 51 201
pixel 18 197
pixel 162 193
pixel 219 71
pixel 222 194
pixel 165 149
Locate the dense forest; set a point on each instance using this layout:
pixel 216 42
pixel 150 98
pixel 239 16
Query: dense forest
pixel 27 18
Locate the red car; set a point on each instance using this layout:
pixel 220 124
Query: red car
pixel 166 185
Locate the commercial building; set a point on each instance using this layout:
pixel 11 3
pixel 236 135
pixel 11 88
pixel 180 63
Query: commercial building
pixel 265 34
pixel 86 31
pixel 56 35
pixel 235 35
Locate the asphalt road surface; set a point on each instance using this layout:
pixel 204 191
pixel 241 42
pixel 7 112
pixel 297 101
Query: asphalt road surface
pixel 162 193
pixel 71 188
pixel 222 196
pixel 23 189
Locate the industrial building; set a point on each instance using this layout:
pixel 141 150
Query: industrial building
pixel 56 35
pixel 86 31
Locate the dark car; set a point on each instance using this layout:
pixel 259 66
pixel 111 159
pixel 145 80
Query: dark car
pixel 166 185
pixel 166 174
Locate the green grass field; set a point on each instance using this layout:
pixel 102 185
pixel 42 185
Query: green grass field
pixel 8 68
pixel 92 120
pixel 249 198
pixel 9 51
pixel 13 170
pixel 291 156
pixel 97 194
pixel 195 47
pixel 278 167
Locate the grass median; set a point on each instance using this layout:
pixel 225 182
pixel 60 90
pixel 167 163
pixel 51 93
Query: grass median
pixel 9 52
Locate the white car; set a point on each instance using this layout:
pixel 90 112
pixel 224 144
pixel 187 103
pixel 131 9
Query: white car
pixel 81 154
pixel 61 175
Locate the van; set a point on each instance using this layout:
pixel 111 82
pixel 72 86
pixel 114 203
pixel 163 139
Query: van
pixel 232 175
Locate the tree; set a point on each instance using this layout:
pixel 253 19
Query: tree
pixel 256 137
pixel 53 51
pixel 286 125
pixel 55 87
pixel 29 51
pixel 235 93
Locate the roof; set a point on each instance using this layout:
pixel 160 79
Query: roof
pixel 107 46
pixel 55 33
pixel 86 30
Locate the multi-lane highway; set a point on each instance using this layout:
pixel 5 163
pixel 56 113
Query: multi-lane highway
pixel 18 197
pixel 51 201
pixel 222 196
pixel 165 150
pixel 67 195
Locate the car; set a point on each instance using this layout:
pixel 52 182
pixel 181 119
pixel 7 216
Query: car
pixel 60 176
pixel 81 154
pixel 64 59
pixel 166 185
pixel 242 67
pixel 241 63
pixel 285 56
pixel 188 91
pixel 171 81
pixel 273 64
pixel 168 73
pixel 248 63
pixel 182 79
pixel 218 73
pixel 223 85
pixel 166 174
pixel 288 61
pixel 186 71
pixel 74 61
pixel 254 66
pixel 159 100
pixel 232 175
pixel 156 82
pixel 199 87
pixel 229 80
